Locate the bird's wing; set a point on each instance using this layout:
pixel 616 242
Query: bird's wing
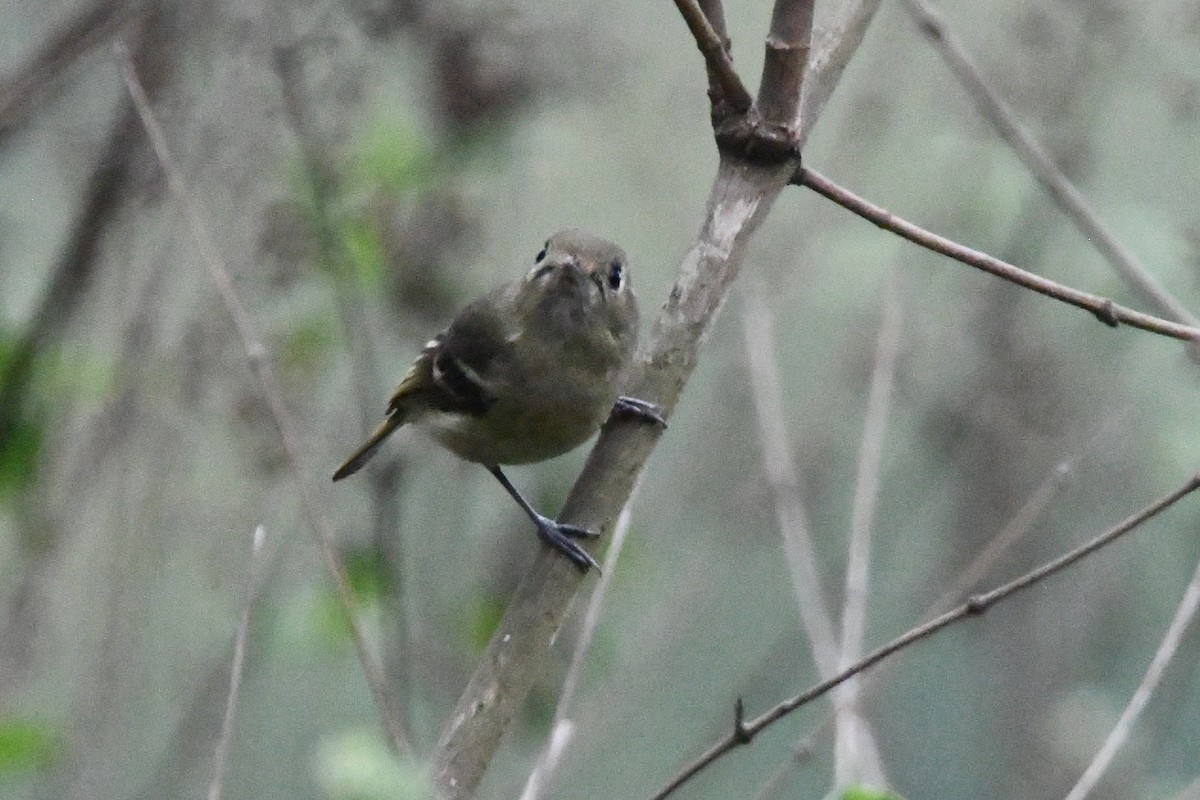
pixel 456 370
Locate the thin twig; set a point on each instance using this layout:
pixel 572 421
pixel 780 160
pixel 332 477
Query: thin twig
pixel 785 62
pixel 221 758
pixel 86 29
pixel 260 363
pixel 1184 613
pixel 1013 531
pixel 975 606
pixel 1104 309
pixel 714 12
pixel 994 108
pixel 720 65
pixel 849 726
pixel 832 48
pixel 562 729
pixel 782 475
pixel 783 479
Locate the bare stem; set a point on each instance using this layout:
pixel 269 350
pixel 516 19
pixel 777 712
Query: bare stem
pixel 783 479
pixel 561 727
pixel 221 759
pixel 997 111
pixel 1167 648
pixel 851 731
pixel 832 48
pixel 716 56
pixel 785 62
pixel 745 731
pixel 1104 309
pixel 272 394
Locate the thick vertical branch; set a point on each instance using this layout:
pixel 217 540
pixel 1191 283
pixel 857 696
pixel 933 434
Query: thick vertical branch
pixel 786 60
pixel 741 197
pixel 743 192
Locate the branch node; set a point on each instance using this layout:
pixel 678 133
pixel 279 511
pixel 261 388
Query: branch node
pixel 977 604
pixel 1107 313
pixel 741 732
pixel 756 140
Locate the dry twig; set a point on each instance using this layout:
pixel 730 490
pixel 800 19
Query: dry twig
pixel 996 110
pixel 260 364
pixel 744 731
pixel 855 753
pixel 1104 309
pixel 221 758
pixel 1185 612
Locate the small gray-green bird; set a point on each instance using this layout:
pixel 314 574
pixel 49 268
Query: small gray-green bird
pixel 528 371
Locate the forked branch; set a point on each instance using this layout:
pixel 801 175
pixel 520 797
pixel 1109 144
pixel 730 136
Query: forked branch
pixel 975 606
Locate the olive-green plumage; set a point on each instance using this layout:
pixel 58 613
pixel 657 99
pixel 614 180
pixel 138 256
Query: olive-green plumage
pixel 529 370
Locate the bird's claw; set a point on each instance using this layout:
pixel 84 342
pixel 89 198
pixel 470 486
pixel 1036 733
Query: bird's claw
pixel 562 538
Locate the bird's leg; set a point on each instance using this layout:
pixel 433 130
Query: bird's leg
pixel 639 409
pixel 556 534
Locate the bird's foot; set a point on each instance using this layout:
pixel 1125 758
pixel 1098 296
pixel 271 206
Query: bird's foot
pixel 562 538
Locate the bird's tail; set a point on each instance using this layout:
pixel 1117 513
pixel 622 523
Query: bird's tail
pixel 363 454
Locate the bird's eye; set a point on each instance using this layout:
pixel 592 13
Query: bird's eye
pixel 541 254
pixel 616 273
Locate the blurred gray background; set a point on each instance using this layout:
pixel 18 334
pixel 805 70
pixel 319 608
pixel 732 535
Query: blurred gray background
pixel 367 166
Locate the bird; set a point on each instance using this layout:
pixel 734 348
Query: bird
pixel 527 372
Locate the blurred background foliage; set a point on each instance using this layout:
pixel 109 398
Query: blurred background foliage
pixel 367 166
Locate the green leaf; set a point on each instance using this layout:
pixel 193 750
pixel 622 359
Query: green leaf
pixel 27 744
pixel 356 765
pixel 860 792
pixel 305 345
pixel 365 252
pixel 393 157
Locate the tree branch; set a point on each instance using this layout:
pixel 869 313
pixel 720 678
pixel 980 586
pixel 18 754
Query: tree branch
pixel 88 27
pixel 994 108
pixel 732 91
pixel 1185 612
pixel 743 193
pixel 832 48
pixel 854 749
pixel 741 196
pixel 973 607
pixel 1104 309
pixel 782 476
pixel 236 670
pixel 272 394
pixel 784 64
